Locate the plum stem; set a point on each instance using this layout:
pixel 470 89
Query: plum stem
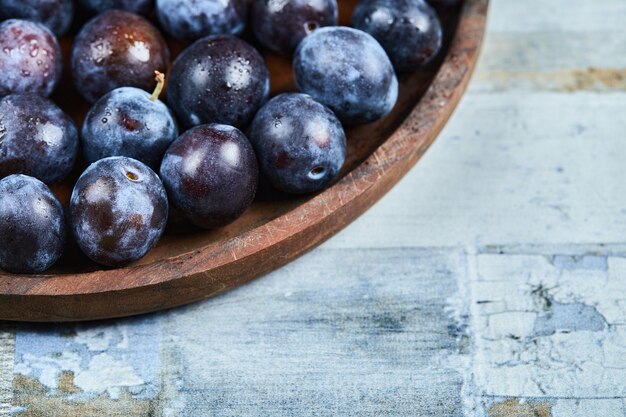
pixel 160 79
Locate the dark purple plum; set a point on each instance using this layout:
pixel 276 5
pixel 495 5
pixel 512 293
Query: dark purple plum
pixel 280 26
pixel 30 58
pixel 409 30
pixel 32 225
pixel 128 122
pixel 135 6
pixel 211 174
pixel 117 49
pixel 57 15
pixel 219 79
pixel 118 211
pixel 348 71
pixel 193 19
pixel 36 138
pixel 299 142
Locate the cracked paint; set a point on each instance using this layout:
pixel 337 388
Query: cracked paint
pixel 87 369
pixel 544 328
pixel 569 317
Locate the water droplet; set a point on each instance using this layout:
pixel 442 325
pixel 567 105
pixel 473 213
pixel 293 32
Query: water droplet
pixel 26 73
pixel 104 120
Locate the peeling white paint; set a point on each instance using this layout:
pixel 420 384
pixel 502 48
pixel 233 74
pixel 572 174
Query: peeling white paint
pixel 106 374
pixel 506 295
pixel 7 349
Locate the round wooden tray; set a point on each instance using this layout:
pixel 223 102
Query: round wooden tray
pixel 193 265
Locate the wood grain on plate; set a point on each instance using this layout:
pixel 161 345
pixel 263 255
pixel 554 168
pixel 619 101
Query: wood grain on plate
pixel 187 267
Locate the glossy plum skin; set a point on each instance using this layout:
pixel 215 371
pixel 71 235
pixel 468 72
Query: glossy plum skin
pixel 219 79
pixel 194 19
pixel 142 7
pixel 30 58
pixel 126 122
pixel 348 71
pixel 57 15
pixel 211 174
pixel 32 225
pixel 282 28
pixel 409 30
pixel 300 143
pixel 36 138
pixel 118 211
pixel 117 49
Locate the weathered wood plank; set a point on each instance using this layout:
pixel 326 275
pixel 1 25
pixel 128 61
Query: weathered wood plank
pixel 527 178
pixel 561 16
pixel 545 329
pixel 341 332
pixel 508 170
pixel 7 350
pixel 95 369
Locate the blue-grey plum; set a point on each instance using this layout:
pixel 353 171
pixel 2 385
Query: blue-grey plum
pixel 211 174
pixel 193 19
pixel 36 138
pixel 128 122
pixel 118 210
pixel 135 6
pixel 409 30
pixel 281 25
pixel 299 142
pixel 117 49
pixel 219 79
pixel 32 225
pixel 348 71
pixel 30 58
pixel 57 15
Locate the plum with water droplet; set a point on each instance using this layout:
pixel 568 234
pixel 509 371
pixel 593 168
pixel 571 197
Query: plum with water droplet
pixel 218 79
pixel 128 122
pixel 118 211
pixel 36 138
pixel 211 174
pixel 280 26
pixel 299 142
pixel 347 70
pixel 117 49
pixel 409 30
pixel 30 58
pixel 57 15
pixel 185 19
pixel 32 225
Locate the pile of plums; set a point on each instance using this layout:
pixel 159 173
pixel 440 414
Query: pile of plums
pixel 201 149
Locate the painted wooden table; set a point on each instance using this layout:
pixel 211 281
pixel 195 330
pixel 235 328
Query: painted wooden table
pixel 490 282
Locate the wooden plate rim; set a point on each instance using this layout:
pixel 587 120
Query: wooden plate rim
pixel 223 265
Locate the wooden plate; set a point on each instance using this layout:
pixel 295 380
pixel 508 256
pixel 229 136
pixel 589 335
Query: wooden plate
pixel 192 265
